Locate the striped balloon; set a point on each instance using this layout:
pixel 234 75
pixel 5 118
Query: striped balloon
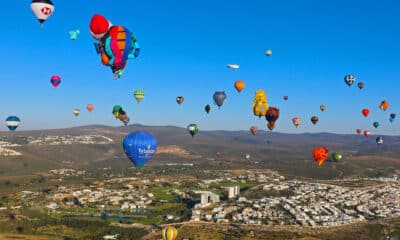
pixel 169 233
pixel 76 112
pixel 139 95
pixel 12 122
pixel 55 81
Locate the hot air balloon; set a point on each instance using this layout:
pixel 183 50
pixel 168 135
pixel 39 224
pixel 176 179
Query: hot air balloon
pixel 365 112
pixel 179 100
pixel 322 108
pixel 359 131
pixel 268 52
pixel 285 98
pixel 361 85
pixel 336 156
pixel 391 120
pixel 73 35
pixel 296 121
pixel 218 154
pixel 219 98
pixel 13 122
pixel 90 107
pixel 379 140
pixel 384 105
pixel 393 115
pixel 320 154
pixel 76 112
pixel 169 233
pixel 376 124
pixel 314 119
pixel 239 85
pixel 42 9
pixel 233 66
pixel 116 111
pixel 260 104
pixel 207 108
pixel 254 130
pixel 367 133
pixel 139 95
pixel 349 79
pixel 55 80
pixel 271 116
pixel 139 146
pixel 247 156
pixel 99 26
pixel 192 129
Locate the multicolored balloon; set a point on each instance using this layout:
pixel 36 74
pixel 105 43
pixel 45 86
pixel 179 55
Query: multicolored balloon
pixel 285 98
pixel 42 9
pixel 272 116
pixel 139 95
pixel 13 122
pixel 76 112
pixel 169 233
pixel 193 129
pixel 296 121
pixel 314 120
pixel 253 130
pixel 322 108
pixel 139 146
pixel 55 80
pixel 349 79
pixel 180 100
pixel 367 133
pixel 384 105
pixel 320 154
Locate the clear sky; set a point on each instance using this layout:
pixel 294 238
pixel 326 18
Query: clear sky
pixel 185 47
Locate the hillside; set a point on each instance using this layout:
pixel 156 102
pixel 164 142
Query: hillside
pixel 100 146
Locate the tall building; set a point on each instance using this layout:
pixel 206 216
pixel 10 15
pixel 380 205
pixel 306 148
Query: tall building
pixel 233 192
pixel 209 198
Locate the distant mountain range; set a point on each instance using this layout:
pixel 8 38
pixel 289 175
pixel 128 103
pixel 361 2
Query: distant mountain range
pixel 288 153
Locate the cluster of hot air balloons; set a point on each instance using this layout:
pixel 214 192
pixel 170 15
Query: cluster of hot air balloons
pixel 116 44
pixel 120 114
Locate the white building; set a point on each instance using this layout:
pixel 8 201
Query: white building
pixel 233 192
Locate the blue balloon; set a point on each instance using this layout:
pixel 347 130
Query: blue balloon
pixel 12 122
pixel 139 146
pixel 391 120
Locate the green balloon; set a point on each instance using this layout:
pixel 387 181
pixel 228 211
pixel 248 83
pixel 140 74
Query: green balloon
pixel 193 129
pixel 337 156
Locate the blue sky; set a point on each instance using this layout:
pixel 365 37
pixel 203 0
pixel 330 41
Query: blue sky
pixel 186 46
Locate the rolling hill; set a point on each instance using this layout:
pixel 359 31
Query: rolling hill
pixel 289 153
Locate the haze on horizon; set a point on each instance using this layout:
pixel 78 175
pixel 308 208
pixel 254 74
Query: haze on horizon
pixel 185 49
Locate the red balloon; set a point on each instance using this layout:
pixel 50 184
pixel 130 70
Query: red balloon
pixel 253 130
pixel 365 112
pixel 359 131
pixel 367 133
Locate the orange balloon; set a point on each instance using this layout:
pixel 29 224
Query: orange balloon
pixel 384 105
pixel 90 107
pixel 320 154
pixel 239 85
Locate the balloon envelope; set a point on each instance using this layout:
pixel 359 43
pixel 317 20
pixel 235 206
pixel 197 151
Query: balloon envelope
pixel 139 95
pixel 349 79
pixel 320 154
pixel 219 98
pixel 207 108
pixel 139 146
pixel 376 124
pixel 55 80
pixel 90 107
pixel 192 129
pixel 253 130
pixel 169 233
pixel 180 99
pixel 365 112
pixel 13 122
pixel 239 85
pixel 337 156
pixel 42 9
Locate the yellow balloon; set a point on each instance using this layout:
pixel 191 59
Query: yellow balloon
pixel 169 233
pixel 260 104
